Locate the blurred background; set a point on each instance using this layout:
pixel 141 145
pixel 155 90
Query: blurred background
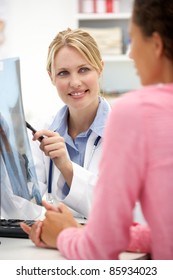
pixel 28 27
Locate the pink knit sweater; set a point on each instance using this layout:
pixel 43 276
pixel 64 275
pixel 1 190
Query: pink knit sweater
pixel 136 164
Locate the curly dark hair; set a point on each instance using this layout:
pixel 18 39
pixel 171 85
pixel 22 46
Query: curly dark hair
pixel 156 16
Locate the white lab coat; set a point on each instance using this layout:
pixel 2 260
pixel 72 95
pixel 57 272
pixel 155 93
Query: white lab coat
pixel 83 182
pixel 79 198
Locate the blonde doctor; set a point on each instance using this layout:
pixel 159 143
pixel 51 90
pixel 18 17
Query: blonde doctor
pixel 67 158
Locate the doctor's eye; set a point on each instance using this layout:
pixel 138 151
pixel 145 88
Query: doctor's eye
pixel 84 69
pixel 63 73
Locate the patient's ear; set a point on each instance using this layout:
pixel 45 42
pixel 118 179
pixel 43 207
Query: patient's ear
pixel 158 44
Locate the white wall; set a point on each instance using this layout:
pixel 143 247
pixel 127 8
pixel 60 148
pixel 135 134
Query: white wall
pixel 31 26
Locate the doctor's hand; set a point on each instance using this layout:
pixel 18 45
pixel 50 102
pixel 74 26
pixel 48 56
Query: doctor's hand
pixel 53 145
pixel 34 231
pixel 54 223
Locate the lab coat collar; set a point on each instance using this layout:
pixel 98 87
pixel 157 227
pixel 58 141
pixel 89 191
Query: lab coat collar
pixel 60 121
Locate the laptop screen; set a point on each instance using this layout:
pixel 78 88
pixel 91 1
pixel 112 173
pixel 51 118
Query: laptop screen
pixel 19 189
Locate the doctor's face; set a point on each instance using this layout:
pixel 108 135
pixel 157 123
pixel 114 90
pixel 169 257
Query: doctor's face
pixel 76 81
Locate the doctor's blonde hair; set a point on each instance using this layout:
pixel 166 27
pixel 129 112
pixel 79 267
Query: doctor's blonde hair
pixel 79 39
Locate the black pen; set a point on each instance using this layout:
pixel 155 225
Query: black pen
pixel 33 130
pixel 93 150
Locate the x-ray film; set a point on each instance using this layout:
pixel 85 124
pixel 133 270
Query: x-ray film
pixel 19 186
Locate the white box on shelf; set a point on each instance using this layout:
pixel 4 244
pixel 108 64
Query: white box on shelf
pixel 87 6
pixel 100 6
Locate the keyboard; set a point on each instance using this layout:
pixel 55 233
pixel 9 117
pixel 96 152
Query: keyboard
pixel 11 228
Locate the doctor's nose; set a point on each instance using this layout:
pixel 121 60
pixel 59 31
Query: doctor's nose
pixel 75 81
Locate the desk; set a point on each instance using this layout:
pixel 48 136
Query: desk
pixel 24 249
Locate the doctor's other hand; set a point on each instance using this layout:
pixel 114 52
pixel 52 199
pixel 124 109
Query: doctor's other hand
pixel 34 231
pixel 55 222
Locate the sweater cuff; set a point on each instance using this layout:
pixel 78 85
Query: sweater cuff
pixel 140 239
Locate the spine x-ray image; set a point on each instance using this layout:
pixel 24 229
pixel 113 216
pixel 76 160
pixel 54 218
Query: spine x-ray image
pixel 17 173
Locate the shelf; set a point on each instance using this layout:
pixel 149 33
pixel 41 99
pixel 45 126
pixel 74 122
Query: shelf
pixel 119 73
pixel 104 16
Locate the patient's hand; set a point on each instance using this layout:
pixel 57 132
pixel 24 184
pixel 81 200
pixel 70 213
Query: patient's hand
pixel 54 223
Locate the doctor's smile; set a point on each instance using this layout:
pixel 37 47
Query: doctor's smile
pixel 78 94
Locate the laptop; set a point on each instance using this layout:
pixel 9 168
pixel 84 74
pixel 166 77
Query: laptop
pixel 20 198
